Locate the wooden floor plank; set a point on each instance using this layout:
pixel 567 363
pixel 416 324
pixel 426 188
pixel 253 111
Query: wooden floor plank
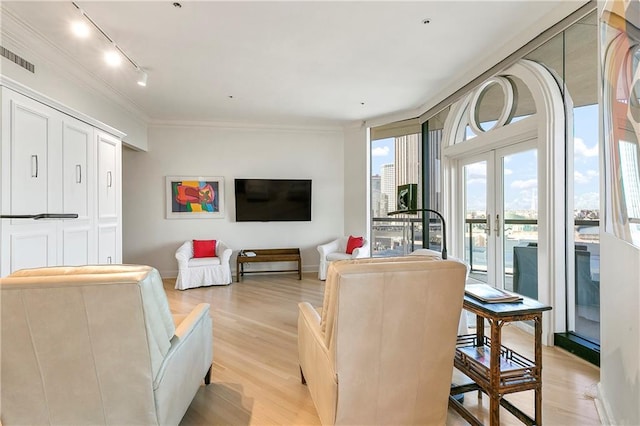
pixel 255 377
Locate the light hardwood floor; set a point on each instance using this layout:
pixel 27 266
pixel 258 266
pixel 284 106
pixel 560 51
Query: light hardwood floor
pixel 255 378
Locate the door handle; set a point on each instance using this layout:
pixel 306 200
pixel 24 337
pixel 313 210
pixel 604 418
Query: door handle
pixel 78 173
pixel 497 225
pixel 109 179
pixel 34 166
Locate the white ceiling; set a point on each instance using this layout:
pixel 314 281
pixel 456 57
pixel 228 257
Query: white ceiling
pixel 299 63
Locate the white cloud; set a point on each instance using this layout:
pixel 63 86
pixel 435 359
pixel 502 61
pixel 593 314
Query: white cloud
pixel 579 177
pixel 381 151
pixel 508 172
pixel 476 181
pixel 587 201
pixel 475 171
pixel 582 150
pixel 587 177
pixel 525 184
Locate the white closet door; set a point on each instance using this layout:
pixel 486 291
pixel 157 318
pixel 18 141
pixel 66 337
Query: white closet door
pixel 77 247
pixel 108 176
pixel 32 247
pixel 33 137
pixel 77 138
pixel 107 244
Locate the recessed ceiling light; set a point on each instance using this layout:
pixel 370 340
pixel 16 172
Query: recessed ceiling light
pixel 113 58
pixel 426 21
pixel 80 29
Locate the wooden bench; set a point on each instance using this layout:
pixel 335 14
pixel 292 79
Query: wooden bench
pixel 268 255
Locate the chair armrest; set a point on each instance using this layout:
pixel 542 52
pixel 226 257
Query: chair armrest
pixel 197 318
pixel 184 366
pixel 223 252
pixel 361 252
pixel 311 319
pixel 330 247
pixel 184 329
pixel 183 254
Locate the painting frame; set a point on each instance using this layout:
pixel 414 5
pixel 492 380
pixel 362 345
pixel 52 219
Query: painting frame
pixel 194 197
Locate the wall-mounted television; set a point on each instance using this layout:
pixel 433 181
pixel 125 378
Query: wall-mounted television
pixel 273 200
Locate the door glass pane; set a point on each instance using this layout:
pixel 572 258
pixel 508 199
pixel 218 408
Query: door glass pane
pixel 519 236
pixel 475 205
pixel 586 217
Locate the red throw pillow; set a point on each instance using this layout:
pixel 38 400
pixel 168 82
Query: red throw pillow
pixel 354 243
pixel 204 248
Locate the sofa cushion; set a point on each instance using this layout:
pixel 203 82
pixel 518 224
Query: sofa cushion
pixel 354 243
pixel 331 257
pixel 204 248
pixel 203 261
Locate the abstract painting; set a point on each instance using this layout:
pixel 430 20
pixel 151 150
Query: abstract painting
pixel 195 197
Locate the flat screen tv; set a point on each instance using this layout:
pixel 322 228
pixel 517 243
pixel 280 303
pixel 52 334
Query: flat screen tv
pixel 273 200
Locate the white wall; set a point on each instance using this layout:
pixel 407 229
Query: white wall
pixel 60 80
pixel 356 196
pixel 620 330
pixel 149 238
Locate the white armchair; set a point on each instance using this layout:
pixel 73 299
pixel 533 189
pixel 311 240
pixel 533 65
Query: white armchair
pixel 203 271
pixel 337 250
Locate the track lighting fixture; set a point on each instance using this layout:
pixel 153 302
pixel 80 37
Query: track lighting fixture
pixel 114 56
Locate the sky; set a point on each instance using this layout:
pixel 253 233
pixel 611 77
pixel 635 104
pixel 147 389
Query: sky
pixel 520 169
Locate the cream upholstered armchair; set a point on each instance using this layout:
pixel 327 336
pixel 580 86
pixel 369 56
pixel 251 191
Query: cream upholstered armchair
pixel 337 250
pixel 381 349
pixel 98 345
pixel 197 270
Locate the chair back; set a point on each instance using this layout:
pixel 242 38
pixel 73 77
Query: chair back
pixel 82 345
pixel 390 326
pixel 525 271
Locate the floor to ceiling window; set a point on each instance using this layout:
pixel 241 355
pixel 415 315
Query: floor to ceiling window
pixel 500 199
pixel 396 165
pixel 573 57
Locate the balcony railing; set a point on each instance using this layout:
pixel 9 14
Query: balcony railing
pixel 400 236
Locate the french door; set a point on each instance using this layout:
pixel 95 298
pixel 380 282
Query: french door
pixel 499 196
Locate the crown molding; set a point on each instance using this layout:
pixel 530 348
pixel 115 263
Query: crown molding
pixel 244 126
pixel 44 99
pixel 18 35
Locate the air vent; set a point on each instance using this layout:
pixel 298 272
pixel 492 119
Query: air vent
pixel 17 59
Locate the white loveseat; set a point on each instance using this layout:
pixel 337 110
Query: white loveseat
pixel 203 271
pixel 98 345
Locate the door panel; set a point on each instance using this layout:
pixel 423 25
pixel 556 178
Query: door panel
pixel 500 212
pixel 476 241
pixel 30 135
pixel 517 223
pixel 76 141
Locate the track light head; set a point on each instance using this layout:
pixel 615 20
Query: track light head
pixel 142 78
